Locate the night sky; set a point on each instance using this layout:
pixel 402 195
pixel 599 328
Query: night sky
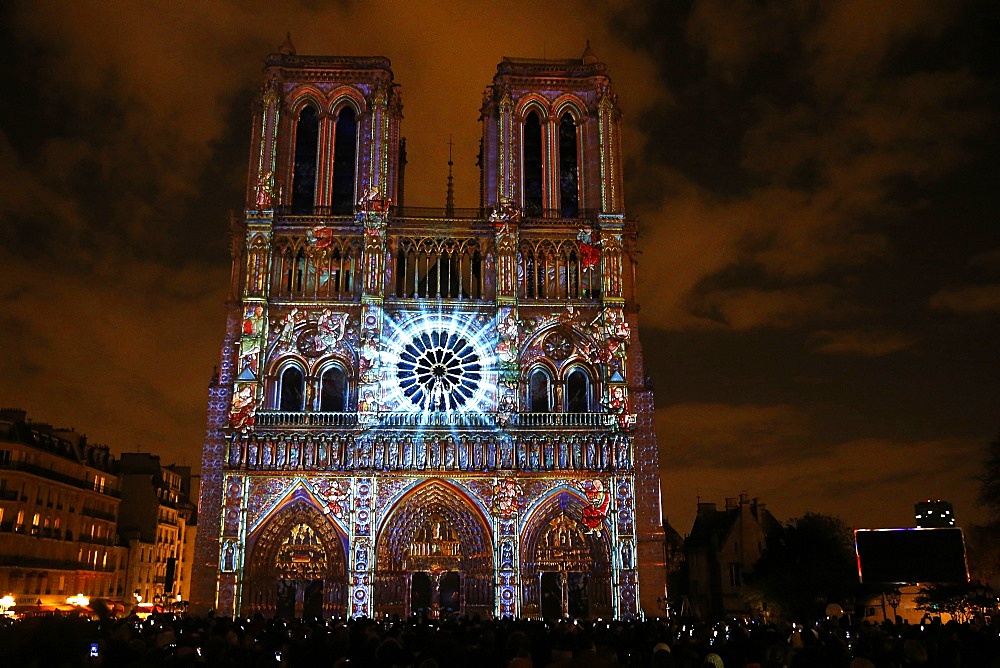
pixel 816 185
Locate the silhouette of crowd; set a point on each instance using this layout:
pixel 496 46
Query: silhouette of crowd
pixel 166 640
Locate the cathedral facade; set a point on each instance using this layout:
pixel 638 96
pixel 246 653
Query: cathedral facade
pixel 431 411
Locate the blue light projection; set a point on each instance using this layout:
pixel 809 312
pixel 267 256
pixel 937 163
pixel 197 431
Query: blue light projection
pixel 440 362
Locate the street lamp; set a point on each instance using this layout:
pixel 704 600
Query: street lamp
pixel 79 600
pixel 6 603
pixel 892 598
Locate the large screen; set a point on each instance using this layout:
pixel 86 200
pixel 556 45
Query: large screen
pixel 911 555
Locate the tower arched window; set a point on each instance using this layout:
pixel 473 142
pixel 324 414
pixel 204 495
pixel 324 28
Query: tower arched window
pixel 333 390
pixel 291 389
pixel 304 170
pixel 531 163
pixel 344 162
pixel 578 391
pixel 569 193
pixel 539 392
pixel 297 272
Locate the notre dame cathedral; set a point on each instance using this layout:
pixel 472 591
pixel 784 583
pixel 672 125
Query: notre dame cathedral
pixel 435 411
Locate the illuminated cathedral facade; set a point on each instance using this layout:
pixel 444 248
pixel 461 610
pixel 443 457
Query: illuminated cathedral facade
pixel 431 411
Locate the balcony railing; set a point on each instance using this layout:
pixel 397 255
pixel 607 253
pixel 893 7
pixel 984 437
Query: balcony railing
pixel 309 214
pixel 58 477
pixel 296 419
pixel 430 419
pixel 99 514
pixel 572 420
pixel 305 419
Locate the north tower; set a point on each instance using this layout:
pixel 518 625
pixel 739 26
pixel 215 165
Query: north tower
pixel 427 412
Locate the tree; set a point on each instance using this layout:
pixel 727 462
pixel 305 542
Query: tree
pixel 961 600
pixel 807 563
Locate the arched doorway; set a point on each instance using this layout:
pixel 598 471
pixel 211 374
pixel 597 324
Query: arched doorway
pixel 297 566
pixel 566 566
pixel 434 556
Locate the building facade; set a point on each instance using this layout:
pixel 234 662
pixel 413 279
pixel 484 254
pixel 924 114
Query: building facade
pixel 723 546
pixel 933 514
pixel 439 411
pixel 59 504
pixel 156 523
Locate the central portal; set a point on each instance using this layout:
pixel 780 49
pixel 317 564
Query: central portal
pixel 434 556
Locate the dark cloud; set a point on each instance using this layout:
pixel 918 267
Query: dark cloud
pixel 868 343
pixel 968 299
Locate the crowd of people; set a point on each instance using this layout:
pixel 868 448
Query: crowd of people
pixel 167 640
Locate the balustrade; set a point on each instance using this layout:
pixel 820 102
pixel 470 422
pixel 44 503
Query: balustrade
pixel 403 450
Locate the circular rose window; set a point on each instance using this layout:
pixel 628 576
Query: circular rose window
pixel 439 370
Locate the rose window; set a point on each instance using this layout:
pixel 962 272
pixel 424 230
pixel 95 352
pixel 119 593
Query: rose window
pixel 439 370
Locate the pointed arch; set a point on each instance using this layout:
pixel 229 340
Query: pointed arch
pixel 540 388
pixel 334 395
pixel 343 96
pixel 295 547
pixel 569 163
pixel 303 95
pixel 290 386
pixel 532 101
pixel 587 554
pixel 304 162
pixel 434 528
pixel 572 104
pixel 345 149
pixel 533 160
pixel 578 395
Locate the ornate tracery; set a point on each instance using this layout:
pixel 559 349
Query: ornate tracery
pixel 558 548
pixel 298 550
pixel 434 529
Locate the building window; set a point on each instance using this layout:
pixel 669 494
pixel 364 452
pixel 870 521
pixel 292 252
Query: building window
pixel 532 165
pixel 539 392
pixel 291 390
pixel 304 175
pixel 333 390
pixel 569 192
pixel 735 576
pixel 577 391
pixel 344 160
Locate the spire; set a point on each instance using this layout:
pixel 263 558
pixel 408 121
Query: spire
pixel 588 57
pixel 449 207
pixel 287 48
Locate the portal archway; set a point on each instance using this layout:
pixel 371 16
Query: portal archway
pixel 434 555
pixel 296 566
pixel 565 565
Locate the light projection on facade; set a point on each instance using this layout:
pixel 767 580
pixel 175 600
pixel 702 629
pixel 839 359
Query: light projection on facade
pixel 440 362
pixel 419 413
